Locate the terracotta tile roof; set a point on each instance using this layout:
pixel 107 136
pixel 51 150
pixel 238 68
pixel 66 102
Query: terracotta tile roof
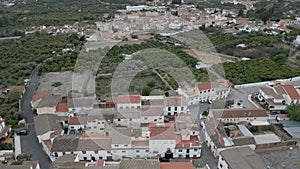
pixel 160 132
pixel 4 131
pixel 62 107
pixel 39 96
pixel 46 122
pixel 176 165
pixel 205 86
pixel 240 112
pixel 175 101
pixel 92 143
pixel 291 91
pixel 77 120
pixel 194 141
pixel 124 99
pixel 139 164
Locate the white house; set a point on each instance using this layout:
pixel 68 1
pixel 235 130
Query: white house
pixel 62 109
pixel 276 98
pixel 48 104
pixel 81 105
pixel 205 92
pixel 76 123
pixel 128 102
pixel 175 105
pixel 128 118
pixel 162 139
pixel 237 115
pixel 47 124
pixel 86 147
pixel 4 130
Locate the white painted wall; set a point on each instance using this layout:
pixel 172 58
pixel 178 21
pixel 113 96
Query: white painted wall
pixel 129 106
pixel 46 110
pixel 161 146
pixel 170 111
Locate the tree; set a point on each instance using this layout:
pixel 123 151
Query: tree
pixel 146 91
pixel 241 13
pixel 293 111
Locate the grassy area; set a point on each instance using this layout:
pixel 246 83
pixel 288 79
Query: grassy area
pixel 144 82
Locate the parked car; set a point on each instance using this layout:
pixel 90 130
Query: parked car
pixel 22 132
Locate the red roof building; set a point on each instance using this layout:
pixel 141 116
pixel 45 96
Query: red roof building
pixel 176 165
pixel 162 131
pixel 62 107
pixel 128 99
pixel 205 86
pixel 291 91
pixel 39 96
pixel 77 120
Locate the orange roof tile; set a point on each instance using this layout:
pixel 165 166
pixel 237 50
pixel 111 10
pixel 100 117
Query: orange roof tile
pixel 166 132
pixel 124 99
pixel 205 86
pixel 62 107
pixel 291 91
pixel 40 95
pixel 176 165
pixel 5 130
pixel 77 120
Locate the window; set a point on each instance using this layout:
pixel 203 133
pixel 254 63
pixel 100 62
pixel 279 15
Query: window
pixel 169 108
pixel 182 108
pixel 175 108
pixel 180 150
pixel 126 145
pixel 221 166
pixel 147 151
pixel 208 91
pixel 98 122
pixel 155 119
pixel 123 151
pixel 119 119
pixel 83 152
pixel 116 145
pixel 137 151
pixel 145 118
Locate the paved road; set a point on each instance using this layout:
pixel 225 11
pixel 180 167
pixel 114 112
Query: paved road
pixel 242 94
pixel 29 143
pixel 206 155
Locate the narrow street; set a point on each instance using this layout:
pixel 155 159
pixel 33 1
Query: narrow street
pixel 29 143
pixel 206 155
